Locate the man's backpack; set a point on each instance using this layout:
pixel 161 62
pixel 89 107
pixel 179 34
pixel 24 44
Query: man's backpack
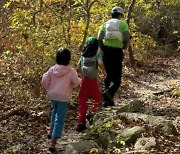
pixel 112 29
pixel 89 67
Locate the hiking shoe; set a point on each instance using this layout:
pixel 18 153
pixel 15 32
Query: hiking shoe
pixel 49 136
pixel 81 127
pixel 89 117
pixel 52 149
pixel 108 104
pixel 108 101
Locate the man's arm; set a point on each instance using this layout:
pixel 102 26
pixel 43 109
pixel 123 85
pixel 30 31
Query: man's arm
pixel 101 36
pixel 126 38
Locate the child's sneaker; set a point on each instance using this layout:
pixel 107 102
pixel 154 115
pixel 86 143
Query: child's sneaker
pixel 52 150
pixel 89 117
pixel 49 136
pixel 81 127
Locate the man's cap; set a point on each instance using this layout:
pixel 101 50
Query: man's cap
pixel 117 9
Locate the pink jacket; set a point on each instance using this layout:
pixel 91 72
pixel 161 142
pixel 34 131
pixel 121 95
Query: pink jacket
pixel 59 81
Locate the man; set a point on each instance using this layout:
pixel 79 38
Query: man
pixel 113 37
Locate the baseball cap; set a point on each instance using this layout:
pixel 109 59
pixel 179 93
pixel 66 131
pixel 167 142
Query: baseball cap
pixel 117 9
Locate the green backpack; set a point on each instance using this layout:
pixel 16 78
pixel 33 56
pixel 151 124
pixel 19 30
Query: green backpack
pixel 89 67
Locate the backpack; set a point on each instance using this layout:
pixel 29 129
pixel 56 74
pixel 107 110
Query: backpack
pixel 112 29
pixel 89 67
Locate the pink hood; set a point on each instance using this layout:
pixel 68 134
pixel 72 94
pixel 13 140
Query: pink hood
pixel 59 81
pixel 60 70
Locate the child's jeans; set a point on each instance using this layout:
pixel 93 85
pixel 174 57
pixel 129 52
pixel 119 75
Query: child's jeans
pixel 89 89
pixel 58 115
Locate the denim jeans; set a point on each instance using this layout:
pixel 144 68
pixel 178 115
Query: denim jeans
pixel 58 115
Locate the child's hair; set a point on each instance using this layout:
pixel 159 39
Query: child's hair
pixel 63 56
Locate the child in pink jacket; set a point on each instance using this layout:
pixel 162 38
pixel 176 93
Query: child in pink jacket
pixel 59 81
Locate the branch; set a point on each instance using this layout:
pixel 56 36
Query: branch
pixel 35 13
pixel 91 4
pixel 52 10
pixel 63 28
pixel 20 110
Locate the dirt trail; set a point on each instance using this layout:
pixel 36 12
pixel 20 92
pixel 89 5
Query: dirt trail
pixel 26 131
pixel 142 84
pixel 142 90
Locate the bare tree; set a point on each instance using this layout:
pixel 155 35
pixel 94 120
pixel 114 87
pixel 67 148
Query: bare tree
pixel 88 6
pixel 131 55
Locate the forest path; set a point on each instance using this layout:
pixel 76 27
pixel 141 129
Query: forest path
pixel 24 126
pixel 136 89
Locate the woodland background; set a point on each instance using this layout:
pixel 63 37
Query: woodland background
pixel 31 31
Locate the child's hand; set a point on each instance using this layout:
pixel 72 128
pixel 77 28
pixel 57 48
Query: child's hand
pixel 103 75
pixel 80 75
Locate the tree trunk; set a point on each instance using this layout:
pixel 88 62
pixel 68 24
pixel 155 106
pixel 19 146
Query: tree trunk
pixel 69 23
pixel 88 8
pixel 85 32
pixel 131 55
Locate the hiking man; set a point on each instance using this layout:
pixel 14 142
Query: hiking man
pixel 113 37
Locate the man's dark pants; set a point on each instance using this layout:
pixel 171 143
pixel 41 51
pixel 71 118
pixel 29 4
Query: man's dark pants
pixel 112 58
